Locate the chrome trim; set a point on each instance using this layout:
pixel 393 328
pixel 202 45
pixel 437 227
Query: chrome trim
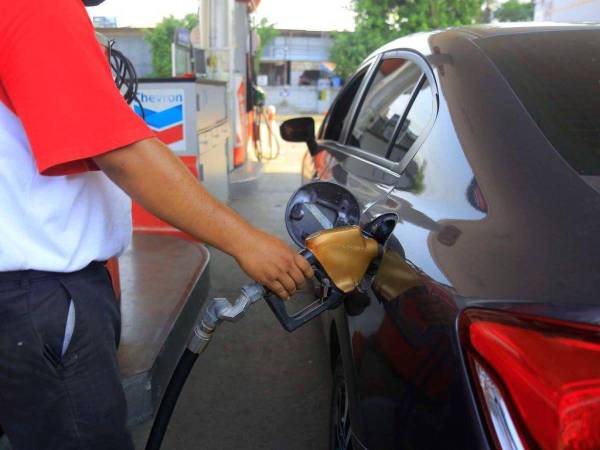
pixel 384 165
pixel 357 102
pixel 394 168
pixel 504 427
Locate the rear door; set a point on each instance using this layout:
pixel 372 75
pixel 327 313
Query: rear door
pixel 387 123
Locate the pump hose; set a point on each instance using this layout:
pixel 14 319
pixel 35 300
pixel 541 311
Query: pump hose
pixel 259 150
pixel 216 311
pixel 165 411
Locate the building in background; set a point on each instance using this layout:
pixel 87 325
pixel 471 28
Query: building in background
pixel 296 57
pixel 567 11
pixel 295 71
pixel 131 42
pixel 105 22
pixel 296 74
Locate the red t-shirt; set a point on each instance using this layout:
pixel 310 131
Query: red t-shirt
pixel 55 77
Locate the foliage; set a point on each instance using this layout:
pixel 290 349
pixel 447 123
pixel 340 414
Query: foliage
pixel 380 21
pixel 351 48
pixel 267 32
pixel 160 38
pixel 515 11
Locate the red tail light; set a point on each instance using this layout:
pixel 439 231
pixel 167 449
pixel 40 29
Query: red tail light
pixel 538 379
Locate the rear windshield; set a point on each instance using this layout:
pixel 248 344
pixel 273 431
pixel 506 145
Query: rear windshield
pixel 556 74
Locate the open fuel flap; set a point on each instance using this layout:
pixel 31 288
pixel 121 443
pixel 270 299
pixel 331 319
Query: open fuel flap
pixel 322 218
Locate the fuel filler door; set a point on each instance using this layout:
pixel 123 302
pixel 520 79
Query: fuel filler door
pixel 322 218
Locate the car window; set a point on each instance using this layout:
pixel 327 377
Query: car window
pixel 339 114
pixel 384 105
pixel 417 119
pixel 556 75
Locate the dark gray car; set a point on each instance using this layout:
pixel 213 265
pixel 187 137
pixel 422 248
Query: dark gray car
pixel 482 328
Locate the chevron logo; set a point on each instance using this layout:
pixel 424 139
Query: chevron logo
pixel 163 113
pixel 168 124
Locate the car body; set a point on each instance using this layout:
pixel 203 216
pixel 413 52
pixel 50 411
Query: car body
pixel 498 215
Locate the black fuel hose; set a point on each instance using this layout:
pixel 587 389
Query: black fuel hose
pixel 216 311
pixel 169 400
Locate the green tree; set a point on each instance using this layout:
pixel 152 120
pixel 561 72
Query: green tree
pixel 267 32
pixel 160 38
pixel 515 11
pixel 380 21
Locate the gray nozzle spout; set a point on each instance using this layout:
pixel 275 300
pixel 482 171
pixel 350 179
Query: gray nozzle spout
pixel 218 310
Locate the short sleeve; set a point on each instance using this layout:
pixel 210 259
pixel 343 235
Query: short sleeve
pixel 58 81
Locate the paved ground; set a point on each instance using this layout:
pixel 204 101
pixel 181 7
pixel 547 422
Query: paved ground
pixel 257 387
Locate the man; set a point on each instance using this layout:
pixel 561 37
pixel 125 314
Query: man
pixel 61 120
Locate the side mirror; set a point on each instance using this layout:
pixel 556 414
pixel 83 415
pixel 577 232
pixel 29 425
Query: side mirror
pixel 301 129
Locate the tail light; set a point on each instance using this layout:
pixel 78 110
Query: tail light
pixel 538 379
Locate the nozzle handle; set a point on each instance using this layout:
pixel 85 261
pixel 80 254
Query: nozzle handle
pixel 320 274
pixel 332 298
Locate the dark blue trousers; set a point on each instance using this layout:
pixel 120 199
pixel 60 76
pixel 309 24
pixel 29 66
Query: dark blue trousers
pixel 59 381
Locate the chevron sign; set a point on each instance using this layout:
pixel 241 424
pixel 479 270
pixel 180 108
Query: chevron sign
pixel 164 114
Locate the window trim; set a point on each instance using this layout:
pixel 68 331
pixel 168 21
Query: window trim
pixel 363 157
pixel 413 97
pixel 366 66
pixel 360 98
pixel 404 162
pixel 378 161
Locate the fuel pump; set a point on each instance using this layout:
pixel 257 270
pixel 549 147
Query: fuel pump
pixel 323 219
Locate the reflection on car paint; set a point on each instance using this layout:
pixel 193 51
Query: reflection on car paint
pixel 483 207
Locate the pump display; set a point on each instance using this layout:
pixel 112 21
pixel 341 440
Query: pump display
pixel 323 219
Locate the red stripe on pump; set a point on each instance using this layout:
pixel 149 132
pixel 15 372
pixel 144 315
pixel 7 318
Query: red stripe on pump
pixel 145 222
pixel 239 156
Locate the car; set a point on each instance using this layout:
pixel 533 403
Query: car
pixel 481 329
pixel 309 78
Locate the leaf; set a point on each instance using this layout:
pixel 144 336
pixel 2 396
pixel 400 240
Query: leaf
pixel 380 21
pixel 160 38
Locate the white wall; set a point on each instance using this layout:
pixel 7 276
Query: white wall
pixel 299 99
pixel 134 47
pixel 567 10
pixel 298 48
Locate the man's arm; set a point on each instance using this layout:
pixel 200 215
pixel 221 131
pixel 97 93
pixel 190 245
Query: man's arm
pixel 91 119
pixel 155 178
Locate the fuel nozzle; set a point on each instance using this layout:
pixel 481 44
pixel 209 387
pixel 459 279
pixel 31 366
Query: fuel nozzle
pixel 345 254
pixel 343 258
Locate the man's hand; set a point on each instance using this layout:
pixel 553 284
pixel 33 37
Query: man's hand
pixel 154 177
pixel 273 264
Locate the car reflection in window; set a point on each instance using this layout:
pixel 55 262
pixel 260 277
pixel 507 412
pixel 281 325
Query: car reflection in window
pixel 415 123
pixel 384 105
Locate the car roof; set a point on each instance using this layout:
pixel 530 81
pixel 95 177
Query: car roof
pixel 507 29
pixel 420 41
